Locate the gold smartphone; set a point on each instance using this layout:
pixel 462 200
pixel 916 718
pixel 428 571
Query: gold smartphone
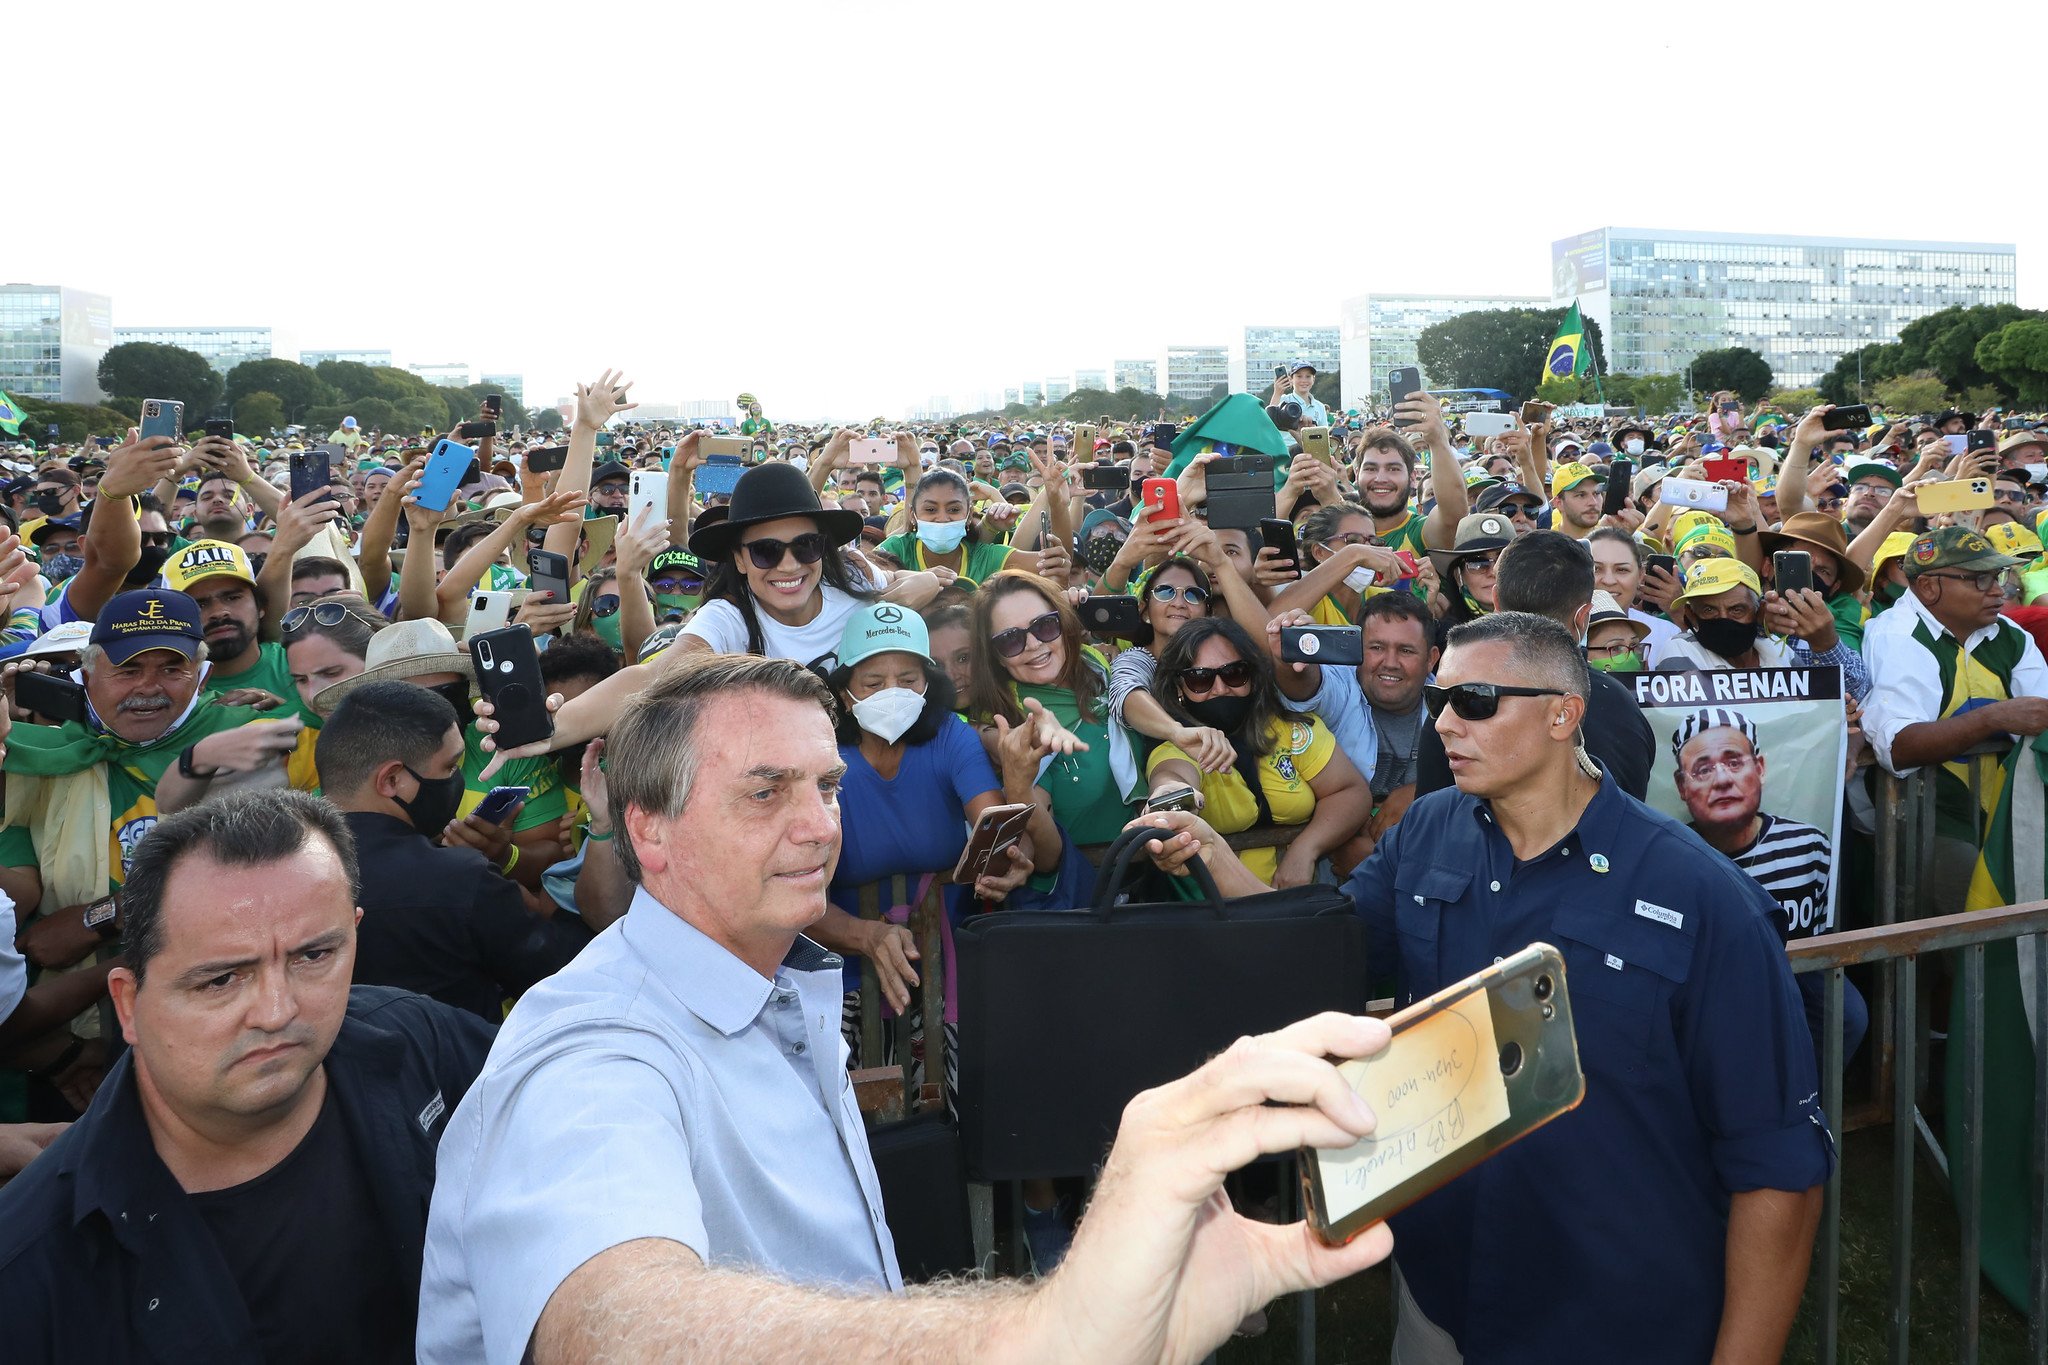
pixel 724 445
pixel 1316 441
pixel 1954 495
pixel 1471 1069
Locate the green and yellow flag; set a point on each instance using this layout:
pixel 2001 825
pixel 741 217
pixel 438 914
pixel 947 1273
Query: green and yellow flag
pixel 1567 356
pixel 10 415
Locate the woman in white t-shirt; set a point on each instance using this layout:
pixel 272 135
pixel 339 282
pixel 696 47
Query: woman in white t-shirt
pixel 778 584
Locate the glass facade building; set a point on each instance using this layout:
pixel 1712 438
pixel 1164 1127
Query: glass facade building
pixel 223 347
pixel 513 386
pixel 1192 371
pixel 357 357
pixel 1662 297
pixel 1379 332
pixel 1136 374
pixel 1091 379
pixel 51 342
pixel 453 375
pixel 1268 347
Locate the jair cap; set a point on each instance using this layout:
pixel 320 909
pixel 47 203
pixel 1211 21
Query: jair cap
pixel 207 559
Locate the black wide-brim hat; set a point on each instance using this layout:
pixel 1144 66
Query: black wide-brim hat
pixel 765 493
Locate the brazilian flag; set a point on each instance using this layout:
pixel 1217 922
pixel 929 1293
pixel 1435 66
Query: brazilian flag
pixel 1567 355
pixel 11 415
pixel 2010 871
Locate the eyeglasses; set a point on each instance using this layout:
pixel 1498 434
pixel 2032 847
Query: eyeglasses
pixel 767 553
pixel 1477 701
pixel 1982 582
pixel 324 614
pixel 1348 538
pixel 2013 496
pixel 1483 563
pixel 1010 643
pixel 606 605
pixel 684 586
pixel 1196 681
pixel 1735 765
pixel 1830 504
pixel 1192 595
pixel 1612 651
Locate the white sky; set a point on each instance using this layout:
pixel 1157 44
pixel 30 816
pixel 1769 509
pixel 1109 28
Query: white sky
pixel 849 208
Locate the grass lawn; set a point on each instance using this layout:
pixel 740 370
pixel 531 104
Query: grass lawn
pixel 1355 1320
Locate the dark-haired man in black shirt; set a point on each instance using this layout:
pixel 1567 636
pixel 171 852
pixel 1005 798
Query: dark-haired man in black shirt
pixel 251 1182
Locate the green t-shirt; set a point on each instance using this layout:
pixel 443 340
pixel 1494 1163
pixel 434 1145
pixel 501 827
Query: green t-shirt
pixel 271 673
pixel 983 558
pixel 547 801
pixel 1850 618
pixel 1085 798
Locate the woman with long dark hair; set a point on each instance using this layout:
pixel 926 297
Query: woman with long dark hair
pixel 1288 769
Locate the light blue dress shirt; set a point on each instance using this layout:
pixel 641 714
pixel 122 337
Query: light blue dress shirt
pixel 657 1086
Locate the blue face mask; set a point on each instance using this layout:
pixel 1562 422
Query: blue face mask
pixel 941 537
pixel 57 568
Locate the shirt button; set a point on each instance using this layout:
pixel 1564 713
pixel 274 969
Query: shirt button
pixel 797 1048
pixel 1494 885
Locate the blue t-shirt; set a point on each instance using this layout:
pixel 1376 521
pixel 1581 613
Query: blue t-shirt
pixel 910 824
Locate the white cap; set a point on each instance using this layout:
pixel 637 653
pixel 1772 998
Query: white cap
pixel 69 638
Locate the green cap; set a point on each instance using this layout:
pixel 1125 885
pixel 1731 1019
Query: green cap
pixel 880 629
pixel 1954 547
pixel 1863 469
pixel 675 557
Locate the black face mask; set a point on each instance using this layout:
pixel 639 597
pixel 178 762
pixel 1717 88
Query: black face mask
pixel 435 804
pixel 49 504
pixel 147 567
pixel 1726 638
pixel 1225 713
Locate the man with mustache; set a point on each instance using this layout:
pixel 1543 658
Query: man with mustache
pixel 251 1182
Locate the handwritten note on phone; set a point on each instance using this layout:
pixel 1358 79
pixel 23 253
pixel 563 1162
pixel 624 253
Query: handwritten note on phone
pixel 1435 1089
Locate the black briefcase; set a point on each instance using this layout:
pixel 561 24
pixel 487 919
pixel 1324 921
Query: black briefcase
pixel 1064 1016
pixel 924 1195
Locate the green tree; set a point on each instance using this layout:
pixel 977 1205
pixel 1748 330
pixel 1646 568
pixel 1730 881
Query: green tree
pixel 1906 394
pixel 1874 363
pixel 2016 356
pixel 1329 390
pixel 1563 390
pixel 1946 343
pixel 1658 393
pixel 1737 369
pixel 295 385
pixel 1015 410
pixel 1496 349
pixel 143 369
pixel 75 421
pixel 1796 402
pixel 547 421
pixel 259 414
pixel 349 378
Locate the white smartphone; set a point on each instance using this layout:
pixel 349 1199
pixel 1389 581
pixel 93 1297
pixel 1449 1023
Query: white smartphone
pixel 488 610
pixel 647 488
pixel 872 450
pixel 1488 423
pixel 1958 444
pixel 1693 493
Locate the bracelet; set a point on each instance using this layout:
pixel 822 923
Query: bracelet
pixel 185 768
pixel 1748 530
pixel 510 862
pixel 596 836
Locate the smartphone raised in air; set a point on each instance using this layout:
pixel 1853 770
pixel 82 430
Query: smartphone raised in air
pixel 1114 614
pixel 1792 571
pixel 1322 645
pixel 508 675
pixel 1403 381
pixel 160 417
pixel 1278 533
pixel 444 473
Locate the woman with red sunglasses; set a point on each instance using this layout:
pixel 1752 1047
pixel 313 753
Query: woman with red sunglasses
pixel 1288 768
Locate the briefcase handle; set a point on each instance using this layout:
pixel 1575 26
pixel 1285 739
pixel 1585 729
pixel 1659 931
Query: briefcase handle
pixel 1129 846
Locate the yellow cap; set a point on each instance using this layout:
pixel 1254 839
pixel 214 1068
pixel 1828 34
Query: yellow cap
pixel 1712 577
pixel 1569 475
pixel 1895 546
pixel 1701 536
pixel 207 559
pixel 2011 538
pixel 1683 524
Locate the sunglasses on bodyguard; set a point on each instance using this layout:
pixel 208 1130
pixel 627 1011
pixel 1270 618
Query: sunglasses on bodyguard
pixel 1010 643
pixel 1477 701
pixel 767 552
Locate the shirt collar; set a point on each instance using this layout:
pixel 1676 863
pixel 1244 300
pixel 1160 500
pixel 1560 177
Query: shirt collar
pixel 702 975
pixel 1911 601
pixel 1599 827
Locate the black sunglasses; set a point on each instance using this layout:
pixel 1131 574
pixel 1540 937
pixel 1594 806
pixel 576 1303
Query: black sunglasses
pixel 1195 680
pixel 324 614
pixel 1477 701
pixel 1010 643
pixel 605 605
pixel 767 553
pixel 156 540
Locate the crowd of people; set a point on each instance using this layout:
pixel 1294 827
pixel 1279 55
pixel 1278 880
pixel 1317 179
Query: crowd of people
pixel 335 1030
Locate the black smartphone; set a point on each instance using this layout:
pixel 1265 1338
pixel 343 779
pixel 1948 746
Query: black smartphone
pixel 476 431
pixel 311 470
pixel 1278 533
pixel 1105 476
pixel 1322 645
pixel 1113 614
pixel 549 573
pixel 2011 424
pixel 494 404
pixel 1403 381
pixel 1279 371
pixel 508 675
pixel 222 427
pixel 1849 417
pixel 1620 476
pixel 51 697
pixel 547 459
pixel 1665 562
pixel 1980 439
pixel 1792 571
pixel 1241 492
pixel 1730 409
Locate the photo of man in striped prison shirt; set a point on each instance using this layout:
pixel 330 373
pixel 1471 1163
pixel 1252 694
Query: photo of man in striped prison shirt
pixel 1721 780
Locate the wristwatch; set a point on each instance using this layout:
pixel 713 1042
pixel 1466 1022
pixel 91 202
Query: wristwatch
pixel 185 768
pixel 103 917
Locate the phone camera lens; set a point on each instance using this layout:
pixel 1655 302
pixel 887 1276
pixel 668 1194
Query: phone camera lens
pixel 1544 987
pixel 1510 1059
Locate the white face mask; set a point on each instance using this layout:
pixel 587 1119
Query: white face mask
pixel 1360 578
pixel 1632 447
pixel 889 712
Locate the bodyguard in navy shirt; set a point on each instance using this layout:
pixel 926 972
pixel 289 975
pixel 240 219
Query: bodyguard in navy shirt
pixel 1675 1207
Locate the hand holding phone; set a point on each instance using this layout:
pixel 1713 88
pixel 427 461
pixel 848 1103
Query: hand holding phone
pixel 998 829
pixel 1162 499
pixel 1791 571
pixel 508 675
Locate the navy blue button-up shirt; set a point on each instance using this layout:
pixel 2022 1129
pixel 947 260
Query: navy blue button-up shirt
pixel 1602 1235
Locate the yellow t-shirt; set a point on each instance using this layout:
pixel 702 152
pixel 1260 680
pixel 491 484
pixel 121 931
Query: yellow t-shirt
pixel 1302 746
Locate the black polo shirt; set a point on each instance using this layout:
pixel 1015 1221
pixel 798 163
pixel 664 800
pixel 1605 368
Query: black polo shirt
pixel 445 923
pixel 1614 730
pixel 103 1257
